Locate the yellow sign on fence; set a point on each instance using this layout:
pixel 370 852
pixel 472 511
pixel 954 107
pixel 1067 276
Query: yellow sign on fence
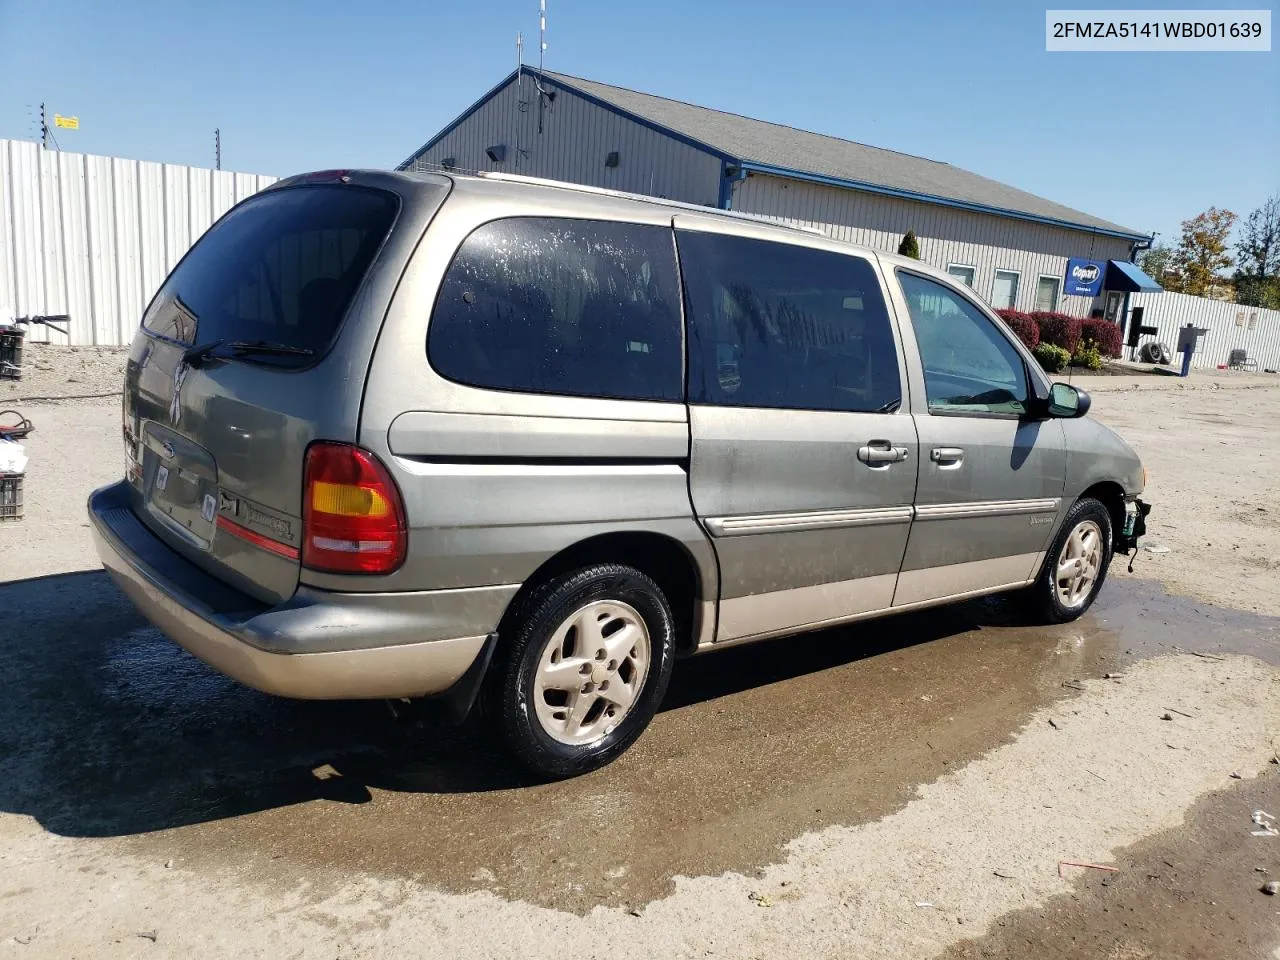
pixel 67 123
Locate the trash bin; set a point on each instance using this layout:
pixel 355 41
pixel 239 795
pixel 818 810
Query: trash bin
pixel 11 342
pixel 10 496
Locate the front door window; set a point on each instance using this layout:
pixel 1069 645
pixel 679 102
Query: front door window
pixel 969 365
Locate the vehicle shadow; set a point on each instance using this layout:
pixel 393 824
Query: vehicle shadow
pixel 108 729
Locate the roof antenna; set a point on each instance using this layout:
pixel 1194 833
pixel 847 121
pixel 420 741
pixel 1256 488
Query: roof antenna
pixel 521 105
pixel 542 32
pixel 543 95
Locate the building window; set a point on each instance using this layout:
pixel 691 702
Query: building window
pixel 575 307
pixel 1047 290
pixel 1004 292
pixel 964 273
pixel 786 327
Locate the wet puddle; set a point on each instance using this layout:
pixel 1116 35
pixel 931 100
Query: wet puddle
pixel 120 734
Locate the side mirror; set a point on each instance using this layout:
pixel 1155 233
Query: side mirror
pixel 1068 402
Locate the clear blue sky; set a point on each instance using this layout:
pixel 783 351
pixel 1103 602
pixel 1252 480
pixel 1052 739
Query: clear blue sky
pixel 1142 139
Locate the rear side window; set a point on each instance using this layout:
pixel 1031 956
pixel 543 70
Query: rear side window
pixel 574 307
pixel 282 267
pixel 778 325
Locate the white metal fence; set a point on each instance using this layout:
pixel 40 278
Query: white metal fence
pixel 94 237
pixel 1231 327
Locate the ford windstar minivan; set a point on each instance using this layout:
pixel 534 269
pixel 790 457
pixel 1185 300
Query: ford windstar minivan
pixel 515 442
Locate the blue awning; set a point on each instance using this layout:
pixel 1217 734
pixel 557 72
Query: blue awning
pixel 1125 276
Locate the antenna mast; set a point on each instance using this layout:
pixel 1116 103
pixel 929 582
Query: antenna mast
pixel 542 33
pixel 520 103
pixel 217 148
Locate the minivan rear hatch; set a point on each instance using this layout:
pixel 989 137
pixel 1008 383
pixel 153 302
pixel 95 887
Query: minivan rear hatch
pixel 241 362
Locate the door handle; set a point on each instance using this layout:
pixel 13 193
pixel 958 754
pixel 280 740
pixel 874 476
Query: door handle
pixel 947 455
pixel 879 453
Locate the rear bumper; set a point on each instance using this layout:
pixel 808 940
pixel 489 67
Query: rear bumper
pixel 317 646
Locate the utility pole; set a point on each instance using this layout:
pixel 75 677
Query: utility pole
pixel 44 129
pixel 217 148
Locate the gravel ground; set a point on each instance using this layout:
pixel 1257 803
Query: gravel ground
pixel 965 860
pixel 55 371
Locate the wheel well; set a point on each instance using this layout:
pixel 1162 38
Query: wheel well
pixel 1111 495
pixel 663 559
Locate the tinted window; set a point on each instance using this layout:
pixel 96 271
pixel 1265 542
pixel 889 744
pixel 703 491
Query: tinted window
pixel 969 365
pixel 576 307
pixel 282 267
pixel 777 325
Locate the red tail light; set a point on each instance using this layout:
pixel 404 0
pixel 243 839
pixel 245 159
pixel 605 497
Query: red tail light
pixel 352 514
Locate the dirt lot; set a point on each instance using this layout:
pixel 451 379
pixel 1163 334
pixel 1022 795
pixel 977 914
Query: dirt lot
pixel 885 791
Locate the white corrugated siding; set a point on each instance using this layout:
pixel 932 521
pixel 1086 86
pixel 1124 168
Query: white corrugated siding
pixel 94 237
pixel 1231 327
pixel 576 138
pixel 947 235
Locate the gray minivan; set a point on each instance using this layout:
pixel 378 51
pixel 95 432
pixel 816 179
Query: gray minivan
pixel 487 438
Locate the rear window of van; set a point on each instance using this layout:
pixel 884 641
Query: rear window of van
pixel 282 267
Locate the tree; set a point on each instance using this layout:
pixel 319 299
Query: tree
pixel 1202 251
pixel 909 247
pixel 1156 261
pixel 1259 244
pixel 1254 291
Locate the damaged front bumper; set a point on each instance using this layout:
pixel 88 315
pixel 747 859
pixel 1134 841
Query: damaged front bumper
pixel 1135 526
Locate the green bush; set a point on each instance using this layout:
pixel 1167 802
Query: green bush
pixel 1087 355
pixel 909 247
pixel 1051 359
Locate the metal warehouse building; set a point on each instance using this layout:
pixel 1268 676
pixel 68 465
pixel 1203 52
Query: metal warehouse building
pixel 1010 246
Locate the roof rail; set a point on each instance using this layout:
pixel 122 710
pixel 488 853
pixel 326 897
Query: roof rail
pixel 643 198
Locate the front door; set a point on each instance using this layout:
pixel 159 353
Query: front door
pixel 991 481
pixel 804 454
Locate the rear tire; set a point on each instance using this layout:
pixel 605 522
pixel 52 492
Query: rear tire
pixel 583 669
pixel 1075 566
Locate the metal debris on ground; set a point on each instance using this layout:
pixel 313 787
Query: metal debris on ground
pixel 760 899
pixel 151 935
pixel 1271 887
pixel 1235 775
pixel 1004 876
pixel 1180 713
pixel 1167 716
pixel 1267 822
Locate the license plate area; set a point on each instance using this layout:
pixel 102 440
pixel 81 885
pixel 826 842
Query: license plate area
pixel 180 484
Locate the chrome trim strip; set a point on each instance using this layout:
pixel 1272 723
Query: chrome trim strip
pixel 816 520
pixel 986 508
pixel 427 468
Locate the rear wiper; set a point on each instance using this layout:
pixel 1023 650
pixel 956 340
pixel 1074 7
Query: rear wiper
pixel 194 356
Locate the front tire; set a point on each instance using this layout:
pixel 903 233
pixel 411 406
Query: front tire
pixel 1075 566
pixel 584 669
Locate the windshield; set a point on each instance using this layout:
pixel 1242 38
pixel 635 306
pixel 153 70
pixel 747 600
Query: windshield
pixel 281 268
